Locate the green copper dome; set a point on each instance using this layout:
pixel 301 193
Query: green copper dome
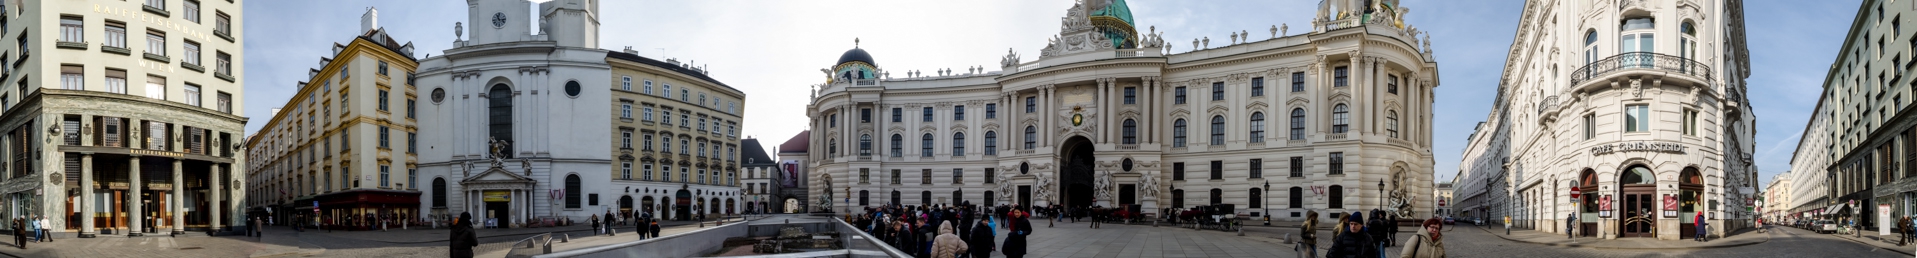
pixel 1117 9
pixel 1115 21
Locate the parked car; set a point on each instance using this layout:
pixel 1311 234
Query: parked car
pixel 1826 227
pixel 1450 221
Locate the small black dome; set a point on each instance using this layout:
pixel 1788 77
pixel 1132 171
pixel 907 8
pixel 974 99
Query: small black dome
pixel 856 54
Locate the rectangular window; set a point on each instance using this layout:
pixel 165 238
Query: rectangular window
pixel 1258 86
pixel 409 107
pixel 1391 83
pixel 412 142
pixel 72 77
pixel 1338 76
pixel 646 114
pixel 927 114
pixel 72 29
pixel 958 113
pixel 156 4
pixel 865 175
pixel 646 170
pixel 648 142
pixel 1178 171
pixel 648 88
pixel 865 115
pixel 192 95
pixel 156 42
pixel 115 35
pixel 1298 82
pixel 1217 169
pixel 1178 95
pixel 1218 91
pixel 896 114
pixel 1297 166
pixel 192 53
pixel 625 170
pixel 381 69
pixel 896 175
pixel 345 140
pixel 1031 104
pixel 991 110
pixel 1590 126
pixel 625 110
pixel 925 176
pixel 958 176
pixel 225 63
pixel 989 173
pixel 1257 168
pixel 1637 118
pixel 625 139
pixel 384 172
pixel 384 140
pixel 1337 163
pixel 155 87
pixel 1690 122
pixel 1131 95
pixel 382 100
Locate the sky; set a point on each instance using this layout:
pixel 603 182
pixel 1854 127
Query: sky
pixel 773 50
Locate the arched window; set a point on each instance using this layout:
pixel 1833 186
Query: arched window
pixel 1031 137
pixel 572 191
pixel 958 144
pixel 1590 47
pixel 1391 123
pixel 925 145
pixel 1258 127
pixel 1217 196
pixel 991 143
pixel 1257 198
pixel 865 145
pixel 1337 193
pixel 500 115
pixel 1298 124
pixel 1218 130
pixel 1638 40
pixel 439 192
pixel 832 146
pixel 1340 118
pixel 1296 197
pixel 1687 44
pixel 1130 132
pixel 1178 133
pixel 897 144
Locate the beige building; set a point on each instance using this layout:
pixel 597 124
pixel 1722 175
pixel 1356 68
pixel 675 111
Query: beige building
pixel 1639 106
pixel 1336 119
pixel 345 139
pixel 677 132
pixel 1777 198
pixel 98 155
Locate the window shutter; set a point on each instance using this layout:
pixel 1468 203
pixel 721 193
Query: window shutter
pixel 112 128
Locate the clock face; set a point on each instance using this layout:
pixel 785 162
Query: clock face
pixel 499 20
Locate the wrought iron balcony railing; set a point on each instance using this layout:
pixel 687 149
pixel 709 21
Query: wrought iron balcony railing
pixel 1641 60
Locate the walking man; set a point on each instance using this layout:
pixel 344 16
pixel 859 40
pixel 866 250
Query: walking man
pixel 1903 230
pixel 1570 223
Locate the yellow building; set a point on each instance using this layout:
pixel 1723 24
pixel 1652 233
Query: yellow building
pixel 676 137
pixel 345 141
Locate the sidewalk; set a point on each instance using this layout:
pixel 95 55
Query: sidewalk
pixel 1739 238
pixel 1870 238
pixel 585 238
pixel 427 234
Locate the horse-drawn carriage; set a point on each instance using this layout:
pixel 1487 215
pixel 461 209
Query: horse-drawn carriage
pixel 1123 214
pixel 1216 216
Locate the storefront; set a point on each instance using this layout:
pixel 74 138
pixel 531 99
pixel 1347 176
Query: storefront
pixel 367 209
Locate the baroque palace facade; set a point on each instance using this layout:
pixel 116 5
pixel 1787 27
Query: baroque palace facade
pixel 100 155
pixel 1336 119
pixel 1630 114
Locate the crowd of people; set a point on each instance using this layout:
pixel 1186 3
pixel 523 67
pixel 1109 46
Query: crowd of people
pixel 948 231
pixel 1354 236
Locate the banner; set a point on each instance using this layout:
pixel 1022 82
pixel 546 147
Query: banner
pixel 496 196
pixel 791 168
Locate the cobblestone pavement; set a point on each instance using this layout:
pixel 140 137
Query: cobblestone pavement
pixel 1470 241
pixel 282 241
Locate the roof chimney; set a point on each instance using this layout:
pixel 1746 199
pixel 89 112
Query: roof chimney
pixel 369 21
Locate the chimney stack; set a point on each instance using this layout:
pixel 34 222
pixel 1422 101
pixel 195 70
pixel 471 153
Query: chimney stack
pixel 369 21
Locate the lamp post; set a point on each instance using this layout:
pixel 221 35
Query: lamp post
pixel 1381 197
pixel 1267 204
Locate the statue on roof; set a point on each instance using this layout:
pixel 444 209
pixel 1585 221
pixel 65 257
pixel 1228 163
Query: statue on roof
pixel 498 148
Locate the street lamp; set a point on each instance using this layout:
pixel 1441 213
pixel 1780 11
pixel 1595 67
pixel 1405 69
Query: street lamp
pixel 1267 204
pixel 1381 197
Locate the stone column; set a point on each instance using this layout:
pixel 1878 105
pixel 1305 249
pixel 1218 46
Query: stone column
pixel 133 197
pixel 179 225
pixel 86 195
pixel 215 207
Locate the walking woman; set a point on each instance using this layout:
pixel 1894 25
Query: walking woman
pixel 1308 236
pixel 1015 241
pixel 1353 242
pixel 1429 242
pixel 982 239
pixel 948 244
pixel 463 237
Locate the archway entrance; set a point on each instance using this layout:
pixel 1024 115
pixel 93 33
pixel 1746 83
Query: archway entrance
pixel 1638 185
pixel 625 205
pixel 646 205
pixel 1075 175
pixel 682 208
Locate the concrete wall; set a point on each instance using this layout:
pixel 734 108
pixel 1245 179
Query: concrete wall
pixel 689 244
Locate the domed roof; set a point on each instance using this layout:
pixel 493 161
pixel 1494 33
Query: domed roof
pixel 856 54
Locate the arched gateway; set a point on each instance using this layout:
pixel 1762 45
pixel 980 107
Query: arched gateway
pixel 1075 175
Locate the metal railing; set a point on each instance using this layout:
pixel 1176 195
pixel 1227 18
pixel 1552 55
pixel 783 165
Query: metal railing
pixel 534 245
pixel 1640 60
pixel 1548 104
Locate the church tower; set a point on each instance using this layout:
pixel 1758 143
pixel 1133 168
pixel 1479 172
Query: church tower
pixel 572 23
pixel 495 21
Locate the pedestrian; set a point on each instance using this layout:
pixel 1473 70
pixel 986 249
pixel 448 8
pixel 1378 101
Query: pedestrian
pixel 463 238
pixel 594 221
pixel 1428 243
pixel 33 229
pixel 1339 229
pixel 982 239
pixel 258 232
pixel 1015 241
pixel 1903 230
pixel 1570 222
pixel 1380 236
pixel 1307 246
pixel 948 244
pixel 654 228
pixel 1353 242
pixel 42 233
pixel 1699 225
pixel 609 219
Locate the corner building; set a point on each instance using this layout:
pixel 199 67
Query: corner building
pixel 119 116
pixel 1638 106
pixel 1336 119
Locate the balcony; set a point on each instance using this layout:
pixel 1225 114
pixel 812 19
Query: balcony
pixel 1640 61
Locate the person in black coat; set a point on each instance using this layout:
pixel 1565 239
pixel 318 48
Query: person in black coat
pixel 654 227
pixel 464 239
pixel 981 240
pixel 1015 240
pixel 1354 242
pixel 1378 229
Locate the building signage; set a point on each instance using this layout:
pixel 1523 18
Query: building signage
pixel 152 20
pixel 495 196
pixel 1638 146
pixel 157 153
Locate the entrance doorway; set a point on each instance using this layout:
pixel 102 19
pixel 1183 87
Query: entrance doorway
pixel 682 210
pixel 1638 185
pixel 1025 197
pixel 499 210
pixel 1075 176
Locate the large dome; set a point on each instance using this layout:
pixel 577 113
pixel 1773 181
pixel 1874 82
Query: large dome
pixel 856 54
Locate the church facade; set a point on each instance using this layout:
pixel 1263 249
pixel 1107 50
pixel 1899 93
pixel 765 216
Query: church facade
pixel 1336 119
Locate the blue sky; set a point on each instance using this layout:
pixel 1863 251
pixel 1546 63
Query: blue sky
pixel 773 50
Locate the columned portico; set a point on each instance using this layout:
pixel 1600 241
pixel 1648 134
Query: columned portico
pixel 498 194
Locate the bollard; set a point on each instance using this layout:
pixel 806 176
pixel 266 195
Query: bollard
pixel 1241 231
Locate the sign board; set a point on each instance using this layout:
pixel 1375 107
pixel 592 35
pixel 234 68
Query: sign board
pixel 495 196
pixel 1883 219
pixel 1638 146
pixel 1670 205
